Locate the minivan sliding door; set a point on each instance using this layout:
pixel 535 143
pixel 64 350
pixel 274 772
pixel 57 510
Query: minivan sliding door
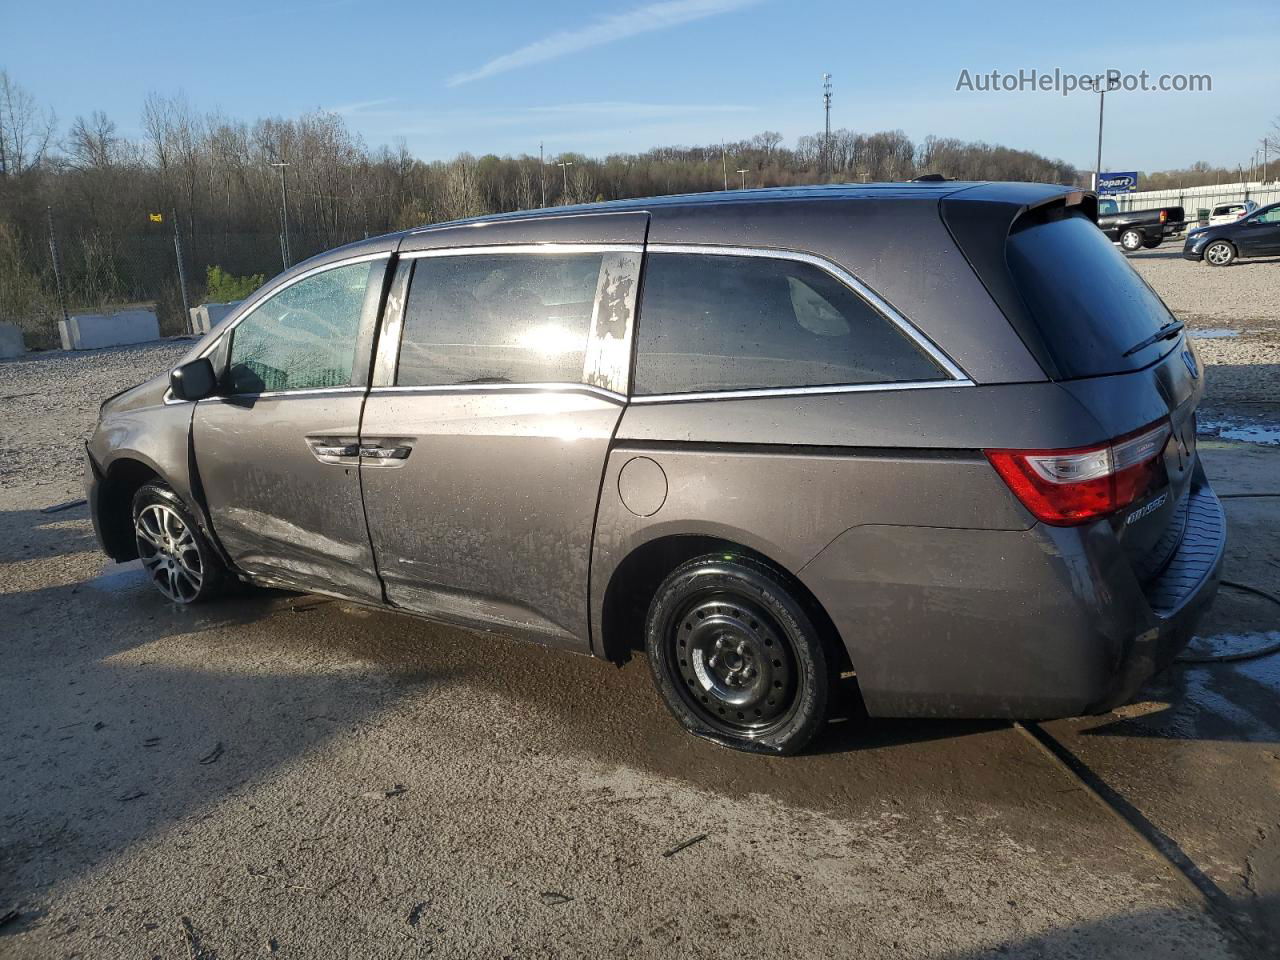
pixel 483 442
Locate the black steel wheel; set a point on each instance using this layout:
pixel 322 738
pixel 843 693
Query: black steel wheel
pixel 736 657
pixel 178 559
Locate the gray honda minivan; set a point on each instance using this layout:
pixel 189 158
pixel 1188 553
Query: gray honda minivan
pixel 939 435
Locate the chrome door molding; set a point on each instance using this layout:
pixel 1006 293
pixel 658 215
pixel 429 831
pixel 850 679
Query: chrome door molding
pixel 957 376
pixel 558 387
pixel 800 391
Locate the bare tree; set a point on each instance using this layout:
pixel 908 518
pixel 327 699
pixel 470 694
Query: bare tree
pixel 26 130
pixel 93 142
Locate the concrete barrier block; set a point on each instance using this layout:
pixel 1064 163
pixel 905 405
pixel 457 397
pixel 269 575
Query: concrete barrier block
pixel 11 342
pixel 215 313
pixel 92 331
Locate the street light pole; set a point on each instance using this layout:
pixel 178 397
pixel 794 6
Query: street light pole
pixel 1102 97
pixel 284 215
pixel 1097 168
pixel 542 173
pixel 564 168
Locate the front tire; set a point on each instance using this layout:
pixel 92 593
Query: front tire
pixel 1131 240
pixel 1220 253
pixel 736 657
pixel 178 559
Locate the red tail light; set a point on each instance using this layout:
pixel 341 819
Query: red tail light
pixel 1164 215
pixel 1069 487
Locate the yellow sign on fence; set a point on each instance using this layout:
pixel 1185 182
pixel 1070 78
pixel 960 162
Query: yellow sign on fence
pixel 156 217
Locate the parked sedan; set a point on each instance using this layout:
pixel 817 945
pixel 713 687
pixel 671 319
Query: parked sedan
pixel 1257 235
pixel 939 435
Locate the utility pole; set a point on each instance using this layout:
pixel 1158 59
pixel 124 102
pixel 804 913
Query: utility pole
pixel 542 173
pixel 826 106
pixel 724 166
pixel 1266 142
pixel 564 168
pixel 744 178
pixel 286 253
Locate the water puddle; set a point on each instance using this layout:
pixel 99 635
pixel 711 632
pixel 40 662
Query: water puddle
pixel 1239 428
pixel 1213 334
pixel 1231 644
pixel 119 577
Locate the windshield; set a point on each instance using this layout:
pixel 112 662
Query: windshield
pixel 1269 214
pixel 1087 302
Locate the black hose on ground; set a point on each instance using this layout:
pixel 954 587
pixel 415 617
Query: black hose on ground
pixel 1248 654
pixel 1257 591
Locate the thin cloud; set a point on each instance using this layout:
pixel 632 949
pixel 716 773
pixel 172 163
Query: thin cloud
pixel 618 26
pixel 360 106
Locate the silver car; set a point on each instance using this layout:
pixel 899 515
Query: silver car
pixel 937 436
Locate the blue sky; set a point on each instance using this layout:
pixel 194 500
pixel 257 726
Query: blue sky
pixel 628 74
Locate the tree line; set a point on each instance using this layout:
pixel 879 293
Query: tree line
pixel 95 190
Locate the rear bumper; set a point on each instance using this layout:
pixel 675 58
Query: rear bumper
pixel 1034 624
pixel 1177 599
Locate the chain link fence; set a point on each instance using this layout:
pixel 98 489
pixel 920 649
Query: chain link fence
pixel 161 265
pixel 1198 202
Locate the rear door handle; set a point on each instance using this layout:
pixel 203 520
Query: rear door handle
pixel 378 452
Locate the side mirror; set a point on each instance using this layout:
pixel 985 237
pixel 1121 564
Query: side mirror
pixel 194 380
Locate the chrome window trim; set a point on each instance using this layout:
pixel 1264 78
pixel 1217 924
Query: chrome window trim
pixel 908 329
pixel 501 248
pixel 269 394
pixel 556 387
pixel 267 295
pixel 801 391
pixel 615 370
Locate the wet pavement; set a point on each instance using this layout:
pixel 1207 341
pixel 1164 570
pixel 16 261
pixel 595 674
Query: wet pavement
pixel 286 776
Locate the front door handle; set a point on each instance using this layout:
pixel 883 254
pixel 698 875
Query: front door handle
pixel 334 450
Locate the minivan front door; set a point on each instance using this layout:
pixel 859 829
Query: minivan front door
pixel 486 437
pixel 277 448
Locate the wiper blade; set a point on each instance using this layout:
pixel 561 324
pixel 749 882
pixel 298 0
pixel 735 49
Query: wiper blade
pixel 1167 332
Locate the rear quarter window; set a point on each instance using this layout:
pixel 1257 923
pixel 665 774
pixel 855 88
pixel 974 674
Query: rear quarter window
pixel 711 322
pixel 1088 304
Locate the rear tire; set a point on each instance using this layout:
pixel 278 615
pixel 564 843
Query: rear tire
pixel 736 657
pixel 1131 240
pixel 1220 253
pixel 177 557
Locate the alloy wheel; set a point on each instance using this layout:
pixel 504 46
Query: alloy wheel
pixel 169 554
pixel 1219 254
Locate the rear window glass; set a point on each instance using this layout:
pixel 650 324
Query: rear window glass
pixel 715 322
pixel 1087 302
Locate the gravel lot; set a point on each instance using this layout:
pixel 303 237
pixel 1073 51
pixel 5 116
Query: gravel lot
pixel 49 401
pixel 1243 301
pixel 281 776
